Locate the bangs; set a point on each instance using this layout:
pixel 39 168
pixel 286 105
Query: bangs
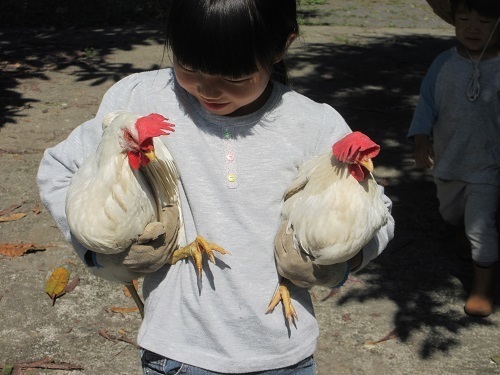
pixel 218 37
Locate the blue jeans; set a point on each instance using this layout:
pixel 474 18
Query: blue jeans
pixel 154 364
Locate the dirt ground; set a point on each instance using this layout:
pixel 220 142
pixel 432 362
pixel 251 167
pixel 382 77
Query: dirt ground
pixel 402 315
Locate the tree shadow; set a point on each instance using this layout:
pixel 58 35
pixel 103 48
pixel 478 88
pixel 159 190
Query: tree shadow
pixel 375 86
pixel 31 53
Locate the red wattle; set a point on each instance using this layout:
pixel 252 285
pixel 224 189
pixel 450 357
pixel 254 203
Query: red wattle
pixel 357 171
pixel 134 159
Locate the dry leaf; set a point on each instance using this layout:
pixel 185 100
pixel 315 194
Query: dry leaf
pixel 12 217
pixel 12 67
pixel 72 285
pixel 332 293
pixel 8 210
pixel 113 338
pixel 19 249
pixel 346 317
pixel 391 335
pixel 36 209
pixel 126 291
pixel 56 283
pixel 123 310
pixel 44 363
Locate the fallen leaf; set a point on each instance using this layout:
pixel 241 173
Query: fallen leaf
pixel 19 249
pixel 8 210
pixel 113 338
pixel 72 285
pixel 106 335
pixel 353 280
pixel 332 293
pixel 44 363
pixel 391 335
pixel 36 209
pixel 56 283
pixel 13 217
pixel 12 67
pixel 126 291
pixel 123 310
pixel 346 317
pixel 496 359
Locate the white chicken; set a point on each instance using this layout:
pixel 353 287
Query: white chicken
pixel 124 186
pixel 333 208
pixel 110 200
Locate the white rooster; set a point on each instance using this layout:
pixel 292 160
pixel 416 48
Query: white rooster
pixel 333 208
pixel 125 185
pixel 110 200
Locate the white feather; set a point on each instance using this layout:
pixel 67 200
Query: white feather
pixel 332 214
pixel 108 204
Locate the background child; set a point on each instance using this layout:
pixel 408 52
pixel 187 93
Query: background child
pixel 456 129
pixel 224 96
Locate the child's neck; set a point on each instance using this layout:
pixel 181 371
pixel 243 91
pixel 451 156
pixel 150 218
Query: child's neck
pixel 489 53
pixel 255 105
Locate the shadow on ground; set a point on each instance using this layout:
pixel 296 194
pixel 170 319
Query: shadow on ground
pixel 30 53
pixel 374 85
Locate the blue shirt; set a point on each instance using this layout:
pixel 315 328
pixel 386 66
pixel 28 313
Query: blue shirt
pixel 466 134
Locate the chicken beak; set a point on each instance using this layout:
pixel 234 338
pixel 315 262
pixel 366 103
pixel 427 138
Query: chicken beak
pixel 368 164
pixel 150 155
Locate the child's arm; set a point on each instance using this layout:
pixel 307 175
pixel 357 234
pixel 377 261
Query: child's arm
pixel 57 167
pixel 60 162
pixel 378 243
pixel 424 152
pixel 425 115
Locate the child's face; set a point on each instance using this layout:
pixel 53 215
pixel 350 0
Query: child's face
pixel 473 30
pixel 224 95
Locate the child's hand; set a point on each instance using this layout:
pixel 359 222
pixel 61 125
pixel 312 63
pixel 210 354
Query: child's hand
pixel 151 251
pixel 424 152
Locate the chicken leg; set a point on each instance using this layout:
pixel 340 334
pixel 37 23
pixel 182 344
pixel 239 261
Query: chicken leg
pixel 195 250
pixel 283 294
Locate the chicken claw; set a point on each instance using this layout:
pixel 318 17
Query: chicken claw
pixel 283 294
pixel 195 250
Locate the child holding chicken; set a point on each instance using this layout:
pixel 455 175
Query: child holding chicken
pixel 456 130
pixel 240 135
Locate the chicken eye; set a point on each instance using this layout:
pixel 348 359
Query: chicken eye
pixel 129 142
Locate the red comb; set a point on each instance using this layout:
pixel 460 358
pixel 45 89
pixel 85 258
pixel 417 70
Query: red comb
pixel 152 125
pixel 353 144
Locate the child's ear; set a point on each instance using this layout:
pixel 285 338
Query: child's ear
pixel 289 41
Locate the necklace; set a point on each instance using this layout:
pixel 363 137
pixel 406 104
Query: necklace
pixel 474 88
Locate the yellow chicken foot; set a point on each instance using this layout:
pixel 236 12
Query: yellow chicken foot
pixel 282 294
pixel 195 250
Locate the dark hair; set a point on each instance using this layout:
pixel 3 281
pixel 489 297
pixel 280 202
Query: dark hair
pixel 228 37
pixel 486 8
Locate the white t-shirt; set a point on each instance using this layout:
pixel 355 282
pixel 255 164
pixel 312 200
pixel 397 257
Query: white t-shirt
pixel 234 171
